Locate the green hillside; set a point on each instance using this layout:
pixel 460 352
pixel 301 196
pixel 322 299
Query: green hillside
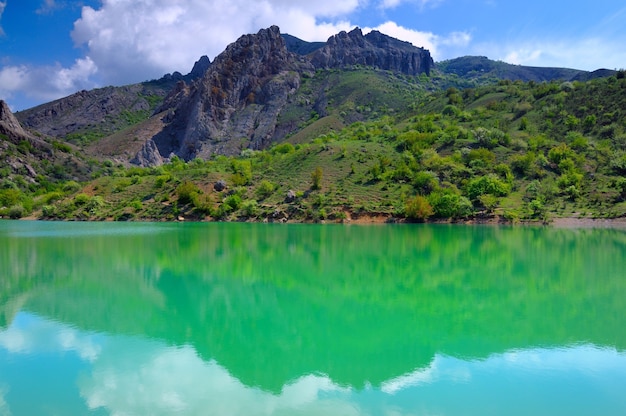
pixel 392 149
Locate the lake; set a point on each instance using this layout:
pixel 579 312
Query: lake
pixel 262 319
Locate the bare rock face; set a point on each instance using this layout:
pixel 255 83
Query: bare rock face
pixel 374 49
pixel 236 103
pixel 148 155
pixel 9 126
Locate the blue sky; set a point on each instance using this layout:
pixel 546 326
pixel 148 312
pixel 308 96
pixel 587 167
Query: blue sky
pixel 52 48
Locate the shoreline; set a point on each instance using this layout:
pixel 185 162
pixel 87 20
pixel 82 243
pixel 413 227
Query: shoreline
pixel 557 222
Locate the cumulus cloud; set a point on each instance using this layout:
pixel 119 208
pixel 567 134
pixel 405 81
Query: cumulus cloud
pixel 47 82
pixel 437 45
pixel 130 41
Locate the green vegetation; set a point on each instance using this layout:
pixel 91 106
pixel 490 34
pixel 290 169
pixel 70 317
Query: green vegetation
pixel 511 151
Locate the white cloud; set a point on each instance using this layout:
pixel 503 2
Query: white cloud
pixel 391 4
pixel 47 82
pixel 436 44
pixel 131 41
pixel 30 334
pixel 587 54
pixel 4 407
pixel 163 380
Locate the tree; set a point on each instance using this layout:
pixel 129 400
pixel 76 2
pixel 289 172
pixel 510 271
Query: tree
pixel 316 178
pixel 418 208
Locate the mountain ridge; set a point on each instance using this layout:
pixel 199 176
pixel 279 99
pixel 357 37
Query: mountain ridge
pixel 251 95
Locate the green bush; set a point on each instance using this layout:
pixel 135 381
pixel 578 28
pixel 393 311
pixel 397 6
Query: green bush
pixel 418 208
pixel 265 189
pixel 9 197
pixel 161 180
pixel 17 211
pixel 488 184
pixel 448 204
pixel 283 148
pixel 81 199
pixel 316 178
pixel 250 208
pixel 232 203
pixel 186 192
pixel 48 211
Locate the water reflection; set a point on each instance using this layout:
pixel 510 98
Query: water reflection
pixel 258 319
pixel 130 375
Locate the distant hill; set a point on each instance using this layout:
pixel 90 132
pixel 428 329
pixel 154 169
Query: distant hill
pixel 474 67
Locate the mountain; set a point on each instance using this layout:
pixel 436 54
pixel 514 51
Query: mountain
pixel 31 159
pixel 263 89
pixel 375 50
pixel 238 102
pixel 89 115
pixel 234 105
pixel 347 130
pixel 474 67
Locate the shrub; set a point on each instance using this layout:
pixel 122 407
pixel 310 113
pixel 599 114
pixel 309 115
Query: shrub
pixel 448 204
pixel 488 184
pixel 9 197
pixel 186 192
pixel 94 204
pixel 242 172
pixel 418 208
pixel 250 208
pixel 161 180
pixel 48 211
pixel 283 148
pixel 265 189
pixel 425 182
pixel 71 186
pixel 316 178
pixel 81 199
pixel 16 211
pixel 231 203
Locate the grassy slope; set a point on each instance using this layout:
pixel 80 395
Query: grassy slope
pixel 514 150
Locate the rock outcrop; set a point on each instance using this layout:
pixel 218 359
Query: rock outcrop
pixel 9 126
pixel 374 49
pixel 101 107
pixel 236 103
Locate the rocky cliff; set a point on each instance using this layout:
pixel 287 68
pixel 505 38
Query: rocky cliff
pixel 29 156
pixel 374 49
pixel 235 104
pixel 238 101
pixel 9 126
pixel 104 109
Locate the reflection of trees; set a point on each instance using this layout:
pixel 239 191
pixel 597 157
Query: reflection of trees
pixel 271 303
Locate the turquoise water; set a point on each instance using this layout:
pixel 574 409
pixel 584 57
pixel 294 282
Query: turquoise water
pixel 258 319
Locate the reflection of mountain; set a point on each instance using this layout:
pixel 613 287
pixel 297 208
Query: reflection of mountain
pixel 361 304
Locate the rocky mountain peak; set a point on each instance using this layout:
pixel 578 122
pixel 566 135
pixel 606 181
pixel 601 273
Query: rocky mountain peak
pixel 374 49
pixel 200 67
pixel 239 97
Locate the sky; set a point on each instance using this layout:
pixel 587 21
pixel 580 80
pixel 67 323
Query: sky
pixel 52 48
